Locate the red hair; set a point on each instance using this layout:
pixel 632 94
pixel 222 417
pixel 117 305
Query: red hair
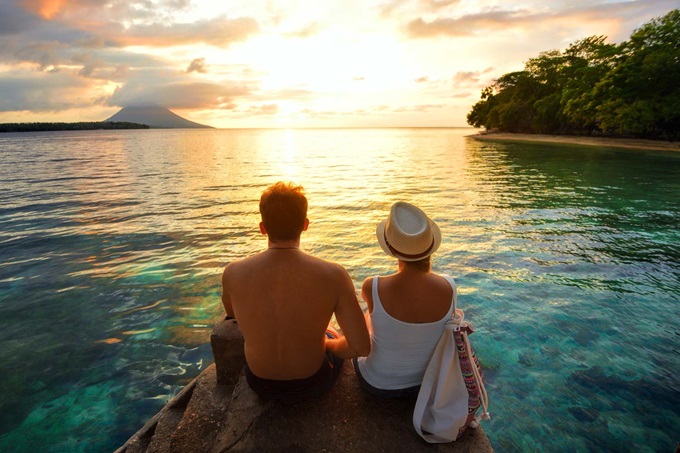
pixel 283 207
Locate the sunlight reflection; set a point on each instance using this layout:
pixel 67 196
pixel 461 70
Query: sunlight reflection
pixel 121 237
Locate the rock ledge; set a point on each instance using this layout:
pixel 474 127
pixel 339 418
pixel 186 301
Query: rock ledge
pixel 217 412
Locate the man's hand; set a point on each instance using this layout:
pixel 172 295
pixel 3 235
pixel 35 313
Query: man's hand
pixel 340 348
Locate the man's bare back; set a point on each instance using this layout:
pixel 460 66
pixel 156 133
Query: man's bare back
pixel 283 300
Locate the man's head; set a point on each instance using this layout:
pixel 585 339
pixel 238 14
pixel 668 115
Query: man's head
pixel 283 207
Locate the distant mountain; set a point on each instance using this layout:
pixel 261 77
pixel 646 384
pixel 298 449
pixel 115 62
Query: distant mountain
pixel 155 117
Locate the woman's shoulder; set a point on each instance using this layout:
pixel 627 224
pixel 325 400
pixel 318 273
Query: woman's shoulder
pixel 446 283
pixel 445 277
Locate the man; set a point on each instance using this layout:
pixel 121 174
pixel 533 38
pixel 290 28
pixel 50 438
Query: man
pixel 283 300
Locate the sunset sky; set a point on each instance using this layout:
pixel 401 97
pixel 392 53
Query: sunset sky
pixel 269 63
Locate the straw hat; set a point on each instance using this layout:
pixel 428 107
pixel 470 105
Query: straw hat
pixel 408 234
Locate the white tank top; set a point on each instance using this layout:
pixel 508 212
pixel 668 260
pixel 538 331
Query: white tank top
pixel 400 351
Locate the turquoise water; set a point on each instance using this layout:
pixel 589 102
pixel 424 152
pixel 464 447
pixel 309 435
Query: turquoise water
pixel 112 245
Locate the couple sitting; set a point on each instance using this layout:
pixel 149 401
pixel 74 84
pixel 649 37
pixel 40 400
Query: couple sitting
pixel 284 298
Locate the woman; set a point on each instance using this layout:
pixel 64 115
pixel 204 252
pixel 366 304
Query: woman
pixel 407 310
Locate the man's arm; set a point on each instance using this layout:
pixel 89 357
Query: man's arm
pixel 355 342
pixel 367 293
pixel 226 300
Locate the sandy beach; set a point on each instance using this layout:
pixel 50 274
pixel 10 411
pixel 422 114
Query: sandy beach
pixel 580 140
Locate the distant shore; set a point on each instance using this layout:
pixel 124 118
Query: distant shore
pixel 79 126
pixel 605 142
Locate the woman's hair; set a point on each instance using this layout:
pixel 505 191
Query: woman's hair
pixel 422 265
pixel 283 207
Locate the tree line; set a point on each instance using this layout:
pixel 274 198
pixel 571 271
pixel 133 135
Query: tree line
pixel 593 88
pixel 80 126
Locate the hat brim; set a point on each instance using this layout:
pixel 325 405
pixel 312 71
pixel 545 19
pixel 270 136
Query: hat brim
pixel 380 235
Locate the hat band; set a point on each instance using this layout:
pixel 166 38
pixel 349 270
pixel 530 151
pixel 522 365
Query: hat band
pixel 406 255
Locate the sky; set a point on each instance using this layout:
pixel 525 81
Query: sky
pixel 294 63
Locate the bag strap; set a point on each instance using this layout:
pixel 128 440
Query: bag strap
pixel 483 396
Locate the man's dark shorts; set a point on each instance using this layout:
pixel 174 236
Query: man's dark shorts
pixel 313 386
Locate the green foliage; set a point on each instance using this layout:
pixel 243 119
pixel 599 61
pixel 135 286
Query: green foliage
pixel 83 126
pixel 592 87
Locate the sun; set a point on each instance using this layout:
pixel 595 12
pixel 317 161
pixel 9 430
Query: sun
pixel 332 61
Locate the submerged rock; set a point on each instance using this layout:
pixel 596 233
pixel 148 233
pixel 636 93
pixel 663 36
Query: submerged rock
pixel 584 415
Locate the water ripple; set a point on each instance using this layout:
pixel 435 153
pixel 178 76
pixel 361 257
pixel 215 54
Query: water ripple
pixel 113 242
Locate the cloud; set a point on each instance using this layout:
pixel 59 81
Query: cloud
pixel 88 65
pixel 92 42
pixel 497 19
pixel 320 114
pixel 376 110
pixel 423 6
pixel 306 32
pixel 470 78
pixel 220 32
pixel 120 72
pixel 158 23
pixel 462 84
pixel 266 109
pixel 89 62
pixel 45 54
pixel 418 108
pixel 197 65
pixel 14 20
pixel 18 24
pixel 179 95
pixel 116 10
pixel 54 56
pixel 469 24
pixel 46 9
pixel 80 55
pixel 40 92
pixel 287 94
pixel 25 38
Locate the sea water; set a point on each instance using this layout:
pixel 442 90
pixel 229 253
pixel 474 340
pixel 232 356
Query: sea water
pixel 112 245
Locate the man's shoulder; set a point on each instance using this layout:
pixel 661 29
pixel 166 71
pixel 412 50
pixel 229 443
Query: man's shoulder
pixel 329 266
pixel 327 270
pixel 310 263
pixel 241 264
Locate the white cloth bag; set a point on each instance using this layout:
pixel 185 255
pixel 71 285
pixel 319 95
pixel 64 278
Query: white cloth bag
pixel 442 406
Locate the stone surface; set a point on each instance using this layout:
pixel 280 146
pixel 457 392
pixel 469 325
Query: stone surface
pixel 210 417
pixel 162 435
pixel 226 342
pixel 346 420
pixel 245 409
pixel 155 435
pixel 205 415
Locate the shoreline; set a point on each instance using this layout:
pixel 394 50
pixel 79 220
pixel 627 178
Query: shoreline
pixel 604 142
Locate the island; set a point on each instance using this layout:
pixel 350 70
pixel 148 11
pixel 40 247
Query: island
pixel 593 89
pixel 155 116
pixel 80 126
pixel 137 117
